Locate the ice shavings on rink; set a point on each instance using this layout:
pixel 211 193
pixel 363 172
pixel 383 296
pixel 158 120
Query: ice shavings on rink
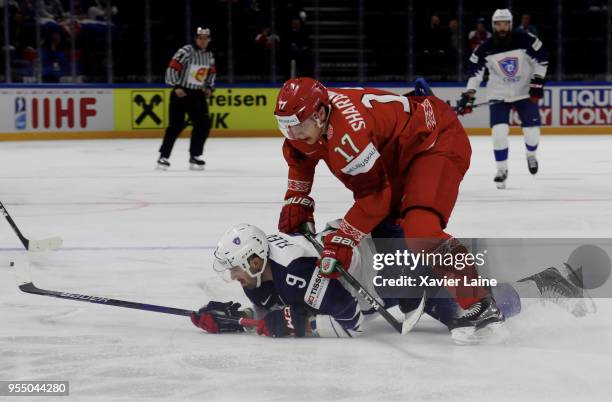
pixel 134 233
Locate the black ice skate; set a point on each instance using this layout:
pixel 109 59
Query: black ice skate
pixel 500 178
pixel 196 163
pixel 483 322
pixel 163 164
pixel 555 288
pixel 532 164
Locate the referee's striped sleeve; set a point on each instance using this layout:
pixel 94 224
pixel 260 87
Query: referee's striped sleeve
pixel 177 66
pixel 212 73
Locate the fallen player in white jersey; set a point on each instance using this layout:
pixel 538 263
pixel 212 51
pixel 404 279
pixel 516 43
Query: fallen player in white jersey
pixel 291 298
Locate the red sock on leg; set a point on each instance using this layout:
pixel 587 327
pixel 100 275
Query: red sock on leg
pixel 423 232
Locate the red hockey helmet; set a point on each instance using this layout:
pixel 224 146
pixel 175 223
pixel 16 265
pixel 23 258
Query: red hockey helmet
pixel 297 100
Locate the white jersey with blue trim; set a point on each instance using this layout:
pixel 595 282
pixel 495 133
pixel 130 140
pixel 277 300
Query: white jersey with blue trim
pixel 511 64
pixel 297 281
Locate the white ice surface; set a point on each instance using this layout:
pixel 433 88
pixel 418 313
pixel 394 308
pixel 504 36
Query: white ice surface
pixel 134 233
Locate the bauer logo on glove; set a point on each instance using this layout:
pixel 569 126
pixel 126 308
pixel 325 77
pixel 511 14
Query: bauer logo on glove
pixel 343 241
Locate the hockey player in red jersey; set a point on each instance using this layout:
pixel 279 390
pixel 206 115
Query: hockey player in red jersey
pixel 403 157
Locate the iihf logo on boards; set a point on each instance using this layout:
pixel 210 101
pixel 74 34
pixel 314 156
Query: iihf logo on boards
pixel 509 66
pixel 20 113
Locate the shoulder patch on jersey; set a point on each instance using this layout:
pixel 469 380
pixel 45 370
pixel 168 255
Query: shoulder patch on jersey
pixel 362 162
pixel 537 44
pixel 316 290
pixel 474 58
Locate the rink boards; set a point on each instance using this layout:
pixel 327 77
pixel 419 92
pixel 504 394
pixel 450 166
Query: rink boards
pixel 132 111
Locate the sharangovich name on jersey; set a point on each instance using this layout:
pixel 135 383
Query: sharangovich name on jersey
pixel 586 106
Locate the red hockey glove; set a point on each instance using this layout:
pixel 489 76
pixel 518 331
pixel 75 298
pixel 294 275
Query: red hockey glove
pixel 296 211
pixel 337 250
pixel 206 322
pixel 536 88
pixel 289 321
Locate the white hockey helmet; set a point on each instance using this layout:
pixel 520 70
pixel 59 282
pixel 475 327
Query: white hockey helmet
pixel 501 14
pixel 239 244
pixel 203 31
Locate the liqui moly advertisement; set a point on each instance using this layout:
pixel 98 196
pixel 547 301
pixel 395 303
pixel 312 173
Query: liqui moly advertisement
pixel 585 107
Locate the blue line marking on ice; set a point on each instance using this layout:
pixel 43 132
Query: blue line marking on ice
pixel 123 248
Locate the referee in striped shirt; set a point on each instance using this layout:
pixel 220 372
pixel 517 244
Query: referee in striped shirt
pixel 192 74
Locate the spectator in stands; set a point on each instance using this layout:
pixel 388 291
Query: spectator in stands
pixel 266 39
pixel 479 35
pixel 53 59
pixel 525 25
pixel 436 46
pixel 455 42
pixel 453 28
pixel 50 15
pixel 265 42
pixel 299 47
pixel 97 10
pixel 596 6
pixel 51 9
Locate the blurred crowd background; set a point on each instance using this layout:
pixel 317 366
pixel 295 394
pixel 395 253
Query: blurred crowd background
pixel 267 41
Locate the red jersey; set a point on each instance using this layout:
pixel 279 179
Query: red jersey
pixel 370 139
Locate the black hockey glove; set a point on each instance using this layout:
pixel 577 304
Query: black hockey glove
pixel 289 321
pixel 421 88
pixel 228 309
pixel 536 88
pixel 466 103
pixel 218 317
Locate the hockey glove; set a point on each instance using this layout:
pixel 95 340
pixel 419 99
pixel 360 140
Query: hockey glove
pixel 466 103
pixel 289 321
pixel 536 88
pixel 297 210
pixel 337 250
pixel 421 87
pixel 218 317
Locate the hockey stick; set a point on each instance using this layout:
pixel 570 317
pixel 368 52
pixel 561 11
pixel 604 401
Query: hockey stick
pixel 26 285
pixel 401 327
pixel 51 243
pixel 491 102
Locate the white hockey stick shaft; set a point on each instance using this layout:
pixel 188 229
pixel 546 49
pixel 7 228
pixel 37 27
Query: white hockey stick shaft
pixel 51 243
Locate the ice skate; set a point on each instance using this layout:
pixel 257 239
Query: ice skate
pixel 483 322
pixel 196 163
pixel 555 288
pixel 163 164
pixel 532 164
pixel 500 178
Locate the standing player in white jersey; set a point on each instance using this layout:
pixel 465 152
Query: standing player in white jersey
pixel 517 64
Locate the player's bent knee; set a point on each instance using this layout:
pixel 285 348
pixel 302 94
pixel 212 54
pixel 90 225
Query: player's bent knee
pixel 500 130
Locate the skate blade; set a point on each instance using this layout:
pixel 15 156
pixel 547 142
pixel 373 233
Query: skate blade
pixel 195 167
pixel 501 186
pixel 161 167
pixel 492 334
